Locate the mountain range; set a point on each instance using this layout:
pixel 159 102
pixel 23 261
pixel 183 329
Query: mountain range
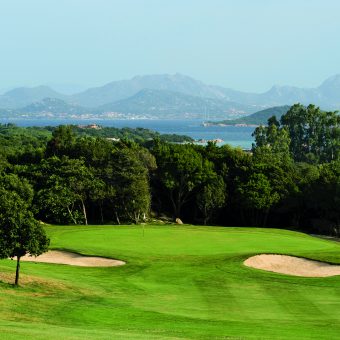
pixel 163 96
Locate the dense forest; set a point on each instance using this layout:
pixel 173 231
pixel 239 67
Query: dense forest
pixel 77 175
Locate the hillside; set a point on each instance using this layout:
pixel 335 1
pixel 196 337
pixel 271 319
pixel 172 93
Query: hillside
pixel 22 96
pixel 145 104
pixel 257 118
pixel 118 90
pixel 53 105
pixel 163 103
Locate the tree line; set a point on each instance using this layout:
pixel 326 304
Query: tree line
pixel 289 179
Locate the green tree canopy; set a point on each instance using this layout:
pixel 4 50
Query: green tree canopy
pixel 127 176
pixel 66 186
pixel 211 198
pixel 314 134
pixel 62 141
pixel 182 171
pixel 20 233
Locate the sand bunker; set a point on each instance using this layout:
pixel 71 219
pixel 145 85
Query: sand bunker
pixel 292 265
pixel 72 259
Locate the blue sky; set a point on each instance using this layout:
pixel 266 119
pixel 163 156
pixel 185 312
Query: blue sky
pixel 243 44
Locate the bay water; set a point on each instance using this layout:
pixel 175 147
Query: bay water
pixel 233 135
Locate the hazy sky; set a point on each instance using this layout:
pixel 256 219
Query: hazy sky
pixel 242 44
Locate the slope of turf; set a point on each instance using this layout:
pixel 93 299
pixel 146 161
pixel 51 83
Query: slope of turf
pixel 179 282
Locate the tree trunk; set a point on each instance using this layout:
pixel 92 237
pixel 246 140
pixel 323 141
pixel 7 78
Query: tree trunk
pixel 70 213
pixel 242 217
pixel 101 213
pixel 266 217
pixel 178 207
pixel 177 212
pixel 118 221
pixel 84 211
pixel 174 206
pixel 258 218
pixel 17 271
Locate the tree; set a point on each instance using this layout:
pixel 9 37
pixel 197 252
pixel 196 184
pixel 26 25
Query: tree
pixel 95 151
pixel 272 141
pixel 211 198
pixel 307 133
pixel 62 142
pixel 127 182
pixel 80 180
pixel 304 176
pixel 182 172
pixel 56 202
pixel 258 195
pixel 20 233
pixel 314 134
pixel 67 186
pixel 323 199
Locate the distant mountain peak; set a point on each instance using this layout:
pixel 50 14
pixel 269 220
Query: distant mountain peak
pixel 274 89
pixel 22 96
pixel 278 90
pixel 165 77
pixel 119 90
pixel 331 81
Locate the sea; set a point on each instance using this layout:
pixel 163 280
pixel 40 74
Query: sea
pixel 240 136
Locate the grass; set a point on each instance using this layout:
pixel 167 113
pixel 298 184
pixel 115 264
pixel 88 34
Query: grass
pixel 179 282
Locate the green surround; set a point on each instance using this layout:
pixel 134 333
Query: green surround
pixel 180 282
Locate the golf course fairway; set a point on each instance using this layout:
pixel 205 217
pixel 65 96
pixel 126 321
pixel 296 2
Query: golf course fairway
pixel 179 282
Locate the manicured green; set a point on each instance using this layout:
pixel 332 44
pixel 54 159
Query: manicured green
pixel 179 282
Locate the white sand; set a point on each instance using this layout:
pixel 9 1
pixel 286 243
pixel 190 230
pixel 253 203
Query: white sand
pixel 292 265
pixel 72 259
